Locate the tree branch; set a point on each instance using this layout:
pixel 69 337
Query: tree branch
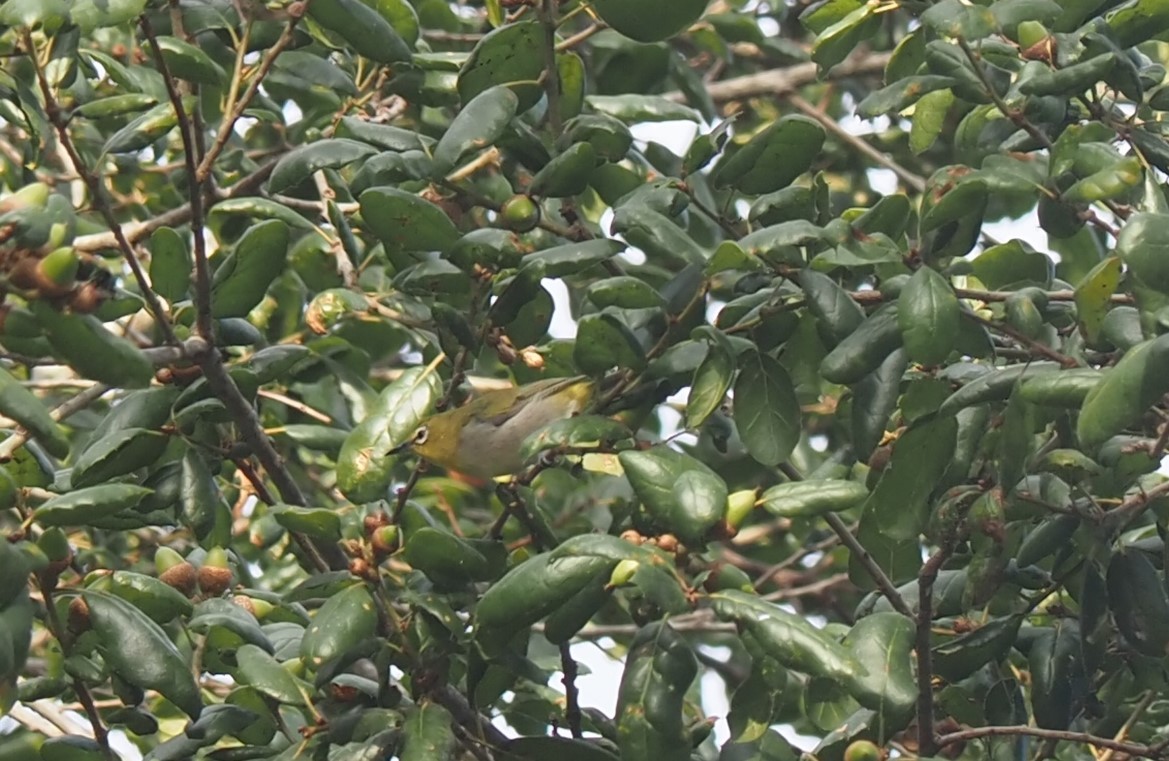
pixel 787 79
pixel 1136 750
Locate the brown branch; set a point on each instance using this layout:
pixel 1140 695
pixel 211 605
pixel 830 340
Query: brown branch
pixel 1035 347
pixel 195 187
pixel 252 432
pixel 915 181
pixel 840 528
pixel 133 232
pixel 571 693
pixel 789 78
pixel 548 11
pixel 923 648
pixel 1136 750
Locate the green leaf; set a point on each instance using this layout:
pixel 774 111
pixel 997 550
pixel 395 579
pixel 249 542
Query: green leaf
pixel 624 292
pixel 805 499
pixel 158 600
pixel 1137 598
pixel 882 644
pixel 1134 22
pixel 1143 245
pixel 18 403
pixel 831 304
pixel 298 165
pixel 140 652
pixel 406 222
pixel 147 128
pixel 650 20
pixel 186 61
pixel 370 34
pixel 92 350
pixel 1054 661
pixel 659 669
pixel 573 258
pixel 116 454
pixel 510 55
pixel 257 668
pixel 320 522
pixel 929 119
pixel 835 43
pixel 773 158
pixel 347 619
pixel 566 175
pixel 542 584
pixel 428 735
pixel 711 382
pixel 446 559
pixel 1128 390
pixel 1013 263
pixel 478 125
pixel 604 341
pixel 634 109
pixel 94 14
pixel 767 412
pixel 170 264
pixel 243 278
pixel 864 349
pixel 681 493
pixel 260 208
pixel 929 315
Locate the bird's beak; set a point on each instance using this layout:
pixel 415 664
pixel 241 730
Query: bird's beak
pixel 403 448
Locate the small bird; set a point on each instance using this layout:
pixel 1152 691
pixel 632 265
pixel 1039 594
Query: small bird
pixel 482 438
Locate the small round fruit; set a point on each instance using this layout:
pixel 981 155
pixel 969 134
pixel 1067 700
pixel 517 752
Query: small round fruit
pixel 520 213
pixel 862 750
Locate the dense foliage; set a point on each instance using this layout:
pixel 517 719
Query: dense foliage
pixel 890 478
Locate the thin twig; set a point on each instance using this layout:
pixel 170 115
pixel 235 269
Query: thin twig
pixel 74 404
pixel 227 125
pixel 838 526
pixel 133 232
pixel 1136 750
pixel 571 693
pixel 568 43
pixel 97 194
pixel 913 180
pixel 784 80
pixel 195 186
pixel 79 687
pixel 548 12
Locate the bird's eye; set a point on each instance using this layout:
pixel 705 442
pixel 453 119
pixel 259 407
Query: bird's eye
pixel 421 434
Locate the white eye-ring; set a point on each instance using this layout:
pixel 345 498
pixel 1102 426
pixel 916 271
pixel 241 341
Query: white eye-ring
pixel 421 434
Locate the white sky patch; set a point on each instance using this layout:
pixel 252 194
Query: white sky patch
pixel 677 136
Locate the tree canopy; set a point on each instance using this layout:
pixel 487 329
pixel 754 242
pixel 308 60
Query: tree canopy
pixel 887 473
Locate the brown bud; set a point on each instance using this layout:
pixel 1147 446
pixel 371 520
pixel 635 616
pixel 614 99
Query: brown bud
pixel 214 581
pixel 86 298
pixel 359 567
pixel 632 536
pixel 181 576
pixel 668 542
pixel 78 616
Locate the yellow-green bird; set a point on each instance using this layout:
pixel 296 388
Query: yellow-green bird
pixel 482 438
